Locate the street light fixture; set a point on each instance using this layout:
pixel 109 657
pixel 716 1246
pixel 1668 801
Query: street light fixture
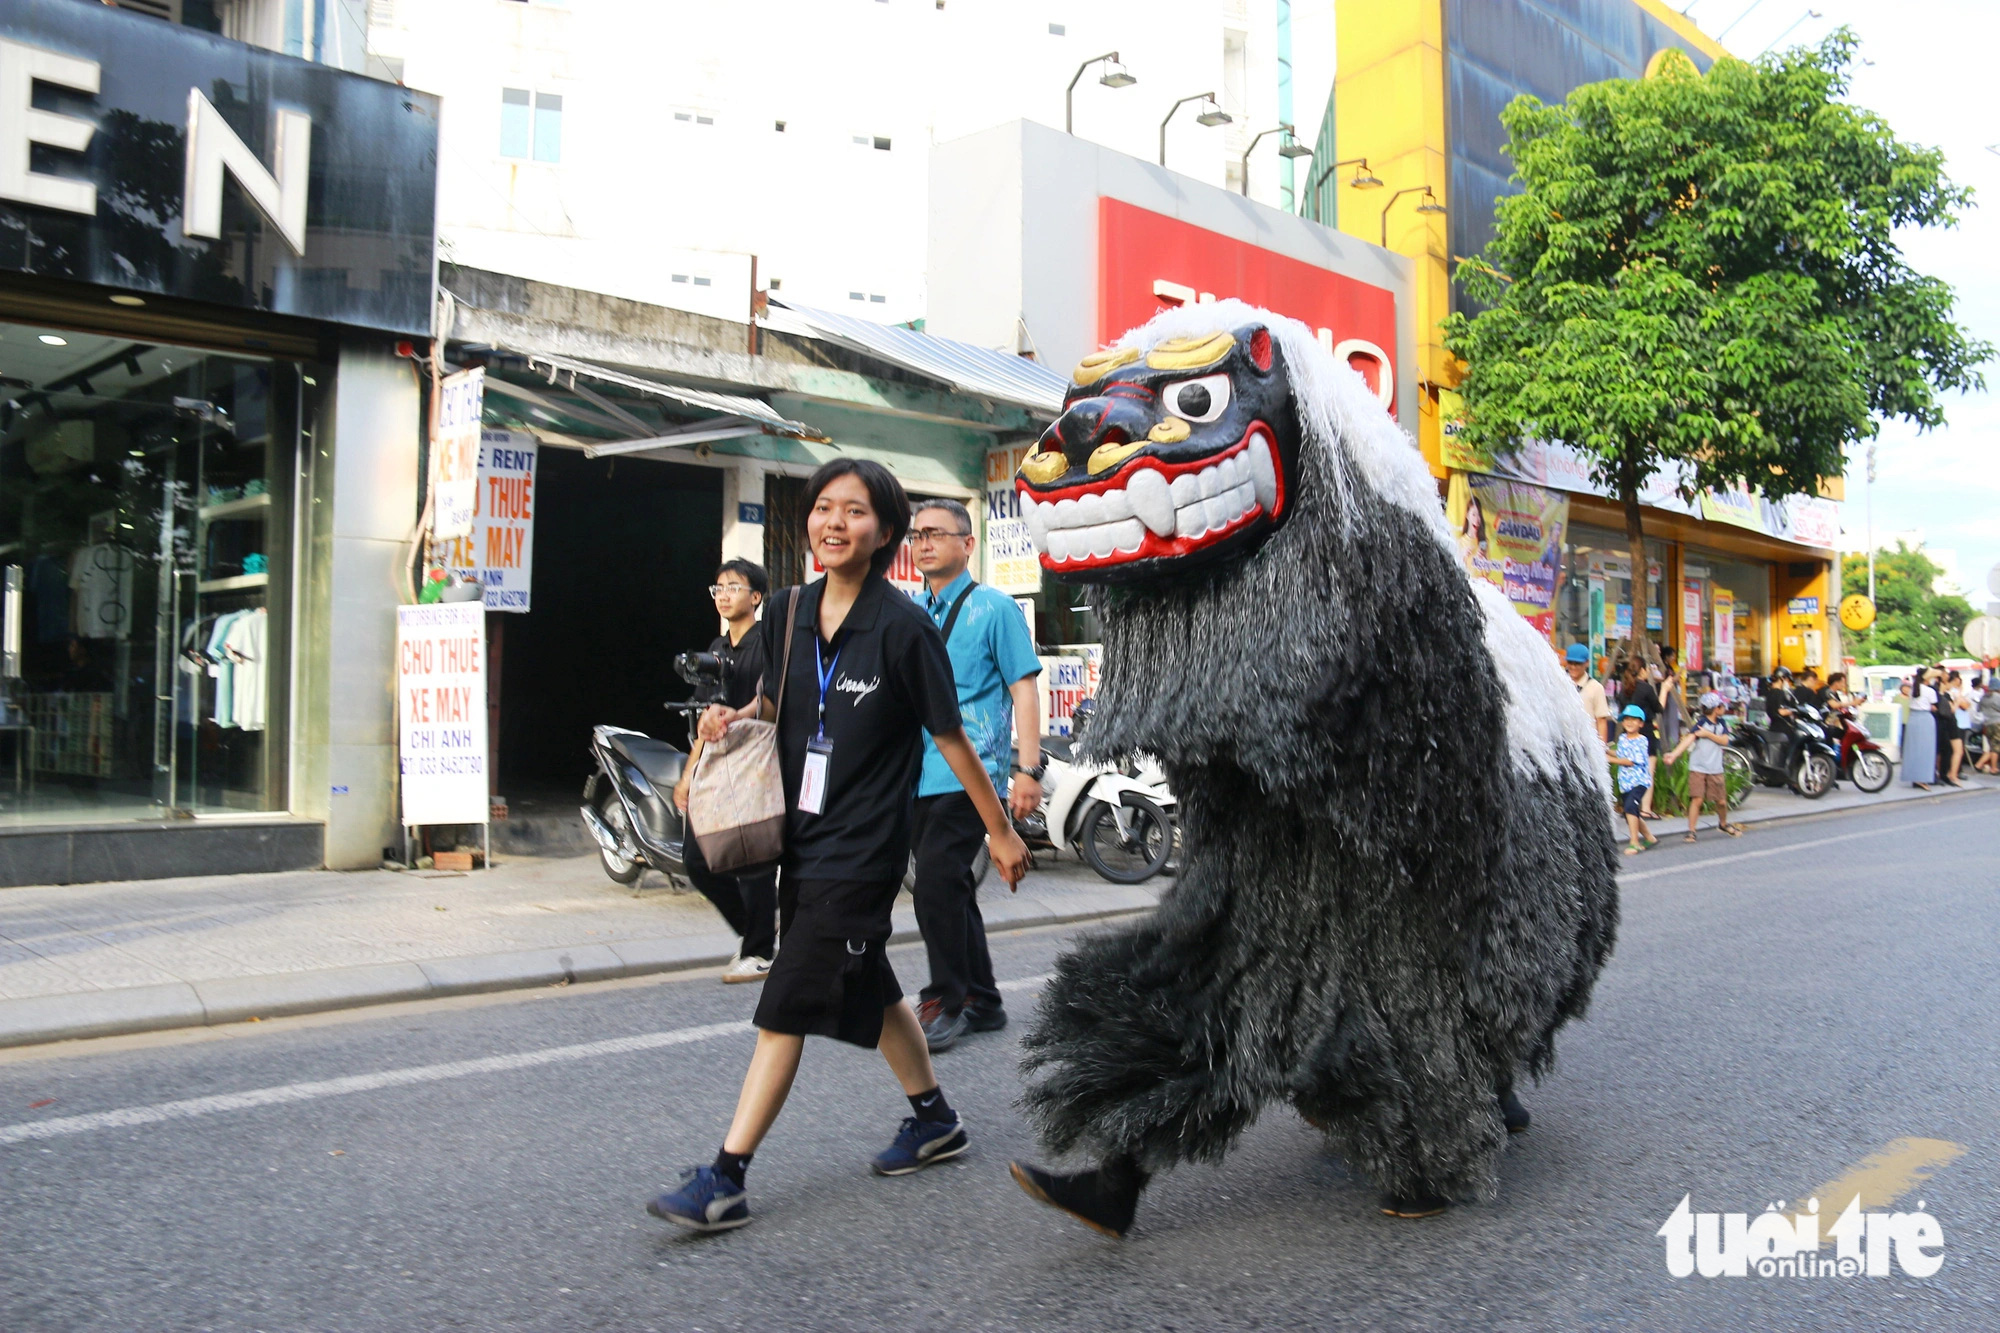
pixel 1364 179
pixel 1289 147
pixel 1429 205
pixel 1212 117
pixel 1115 76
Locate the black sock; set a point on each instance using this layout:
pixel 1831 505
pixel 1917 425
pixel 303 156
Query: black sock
pixel 733 1165
pixel 932 1106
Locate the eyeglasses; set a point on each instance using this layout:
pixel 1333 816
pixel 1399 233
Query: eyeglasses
pixel 924 536
pixel 718 589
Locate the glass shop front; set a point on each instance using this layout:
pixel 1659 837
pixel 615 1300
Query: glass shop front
pixel 146 520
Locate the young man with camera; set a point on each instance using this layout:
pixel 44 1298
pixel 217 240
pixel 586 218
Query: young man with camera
pixel 749 903
pixel 993 661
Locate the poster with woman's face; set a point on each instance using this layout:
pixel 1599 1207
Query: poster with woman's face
pixel 1512 536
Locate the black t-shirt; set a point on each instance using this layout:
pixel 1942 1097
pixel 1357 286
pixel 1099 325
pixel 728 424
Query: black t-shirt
pixel 1645 696
pixel 742 666
pixel 1776 696
pixel 891 682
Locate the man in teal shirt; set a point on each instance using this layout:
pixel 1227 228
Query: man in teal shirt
pixel 993 658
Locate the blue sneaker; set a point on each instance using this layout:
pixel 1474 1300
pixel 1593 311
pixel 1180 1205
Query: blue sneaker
pixel 920 1143
pixel 707 1201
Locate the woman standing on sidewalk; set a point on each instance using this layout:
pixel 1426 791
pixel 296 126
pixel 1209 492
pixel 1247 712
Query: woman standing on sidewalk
pixel 868 676
pixel 1920 735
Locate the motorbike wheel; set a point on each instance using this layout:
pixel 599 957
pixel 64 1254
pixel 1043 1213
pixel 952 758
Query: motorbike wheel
pixel 1737 777
pixel 1123 858
pixel 621 870
pixel 1814 776
pixel 1872 771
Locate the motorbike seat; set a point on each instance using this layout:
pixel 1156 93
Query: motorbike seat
pixel 1058 747
pixel 660 762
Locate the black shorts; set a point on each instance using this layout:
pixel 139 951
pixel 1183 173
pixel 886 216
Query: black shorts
pixel 831 977
pixel 1633 800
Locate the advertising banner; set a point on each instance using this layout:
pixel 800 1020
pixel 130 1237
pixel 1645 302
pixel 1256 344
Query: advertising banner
pixel 1511 533
pixel 1011 565
pixel 499 551
pixel 1737 508
pixel 1064 683
pixel 1725 630
pixel 455 453
pixel 441 699
pixel 1691 627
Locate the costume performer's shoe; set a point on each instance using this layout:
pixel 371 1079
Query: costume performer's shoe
pixel 1512 1113
pixel 1415 1205
pixel 1103 1200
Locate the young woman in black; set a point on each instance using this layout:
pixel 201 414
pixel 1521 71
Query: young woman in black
pixel 868 677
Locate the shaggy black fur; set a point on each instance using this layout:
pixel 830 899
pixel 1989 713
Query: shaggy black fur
pixel 1380 917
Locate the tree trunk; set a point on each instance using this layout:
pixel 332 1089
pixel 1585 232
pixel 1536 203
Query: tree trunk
pixel 1637 644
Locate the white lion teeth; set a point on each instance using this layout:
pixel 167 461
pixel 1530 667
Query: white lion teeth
pixel 1263 473
pixel 1100 524
pixel 1152 500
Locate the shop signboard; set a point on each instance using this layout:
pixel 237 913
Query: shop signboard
pixel 499 551
pixel 1808 520
pixel 1802 606
pixel 1011 563
pixel 455 453
pixel 1655 619
pixel 441 699
pixel 158 158
pixel 1511 534
pixel 1737 508
pixel 1064 681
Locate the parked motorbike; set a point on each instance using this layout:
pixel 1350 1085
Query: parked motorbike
pixel 628 803
pixel 1802 758
pixel 1862 759
pixel 1119 819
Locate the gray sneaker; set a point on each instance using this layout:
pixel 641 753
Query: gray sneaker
pixel 943 1030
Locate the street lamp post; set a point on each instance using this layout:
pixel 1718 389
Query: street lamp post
pixel 1214 116
pixel 1430 205
pixel 1117 76
pixel 1289 147
pixel 1364 177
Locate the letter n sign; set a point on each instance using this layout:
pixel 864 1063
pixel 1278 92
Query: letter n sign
pixel 280 193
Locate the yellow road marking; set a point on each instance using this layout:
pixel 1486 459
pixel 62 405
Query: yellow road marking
pixel 1881 1178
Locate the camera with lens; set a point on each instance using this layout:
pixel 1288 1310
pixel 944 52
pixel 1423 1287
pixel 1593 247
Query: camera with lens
pixel 704 672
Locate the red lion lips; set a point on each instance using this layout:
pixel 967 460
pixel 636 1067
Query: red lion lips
pixel 1152 510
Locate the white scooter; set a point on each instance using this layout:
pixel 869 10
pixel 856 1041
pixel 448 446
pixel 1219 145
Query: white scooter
pixel 1119 820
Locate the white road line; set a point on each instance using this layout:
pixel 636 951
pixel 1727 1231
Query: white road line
pixel 388 1078
pixel 1792 847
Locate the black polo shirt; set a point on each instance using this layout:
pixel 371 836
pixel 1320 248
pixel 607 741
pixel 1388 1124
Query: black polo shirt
pixel 742 666
pixel 892 683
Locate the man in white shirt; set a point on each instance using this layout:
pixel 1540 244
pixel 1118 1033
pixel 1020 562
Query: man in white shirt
pixel 1595 705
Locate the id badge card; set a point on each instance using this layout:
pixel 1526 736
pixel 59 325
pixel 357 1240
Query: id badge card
pixel 812 784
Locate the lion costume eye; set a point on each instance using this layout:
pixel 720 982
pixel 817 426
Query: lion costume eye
pixel 1197 400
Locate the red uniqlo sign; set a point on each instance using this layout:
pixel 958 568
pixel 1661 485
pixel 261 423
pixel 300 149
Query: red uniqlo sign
pixel 1147 261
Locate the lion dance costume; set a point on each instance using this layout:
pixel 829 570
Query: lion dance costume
pixel 1397 875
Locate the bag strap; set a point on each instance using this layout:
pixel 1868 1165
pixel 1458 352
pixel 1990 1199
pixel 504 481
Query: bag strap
pixel 785 659
pixel 951 618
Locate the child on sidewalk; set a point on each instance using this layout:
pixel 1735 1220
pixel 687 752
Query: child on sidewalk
pixel 1631 756
pixel 1706 782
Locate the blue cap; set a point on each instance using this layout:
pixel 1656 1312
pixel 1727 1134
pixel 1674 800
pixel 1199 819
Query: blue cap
pixel 1633 710
pixel 1577 653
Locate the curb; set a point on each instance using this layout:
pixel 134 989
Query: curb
pixel 78 1015
pixel 1801 816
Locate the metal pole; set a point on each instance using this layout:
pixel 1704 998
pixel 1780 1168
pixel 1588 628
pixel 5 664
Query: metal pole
pixel 1413 189
pixel 1069 94
pixel 1198 97
pixel 1873 655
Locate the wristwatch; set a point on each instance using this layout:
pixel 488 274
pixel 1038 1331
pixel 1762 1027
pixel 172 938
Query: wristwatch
pixel 1035 772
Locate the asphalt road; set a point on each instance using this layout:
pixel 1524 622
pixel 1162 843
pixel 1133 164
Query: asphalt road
pixel 1779 1008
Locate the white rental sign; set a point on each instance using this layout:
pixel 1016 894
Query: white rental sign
pixel 1011 563
pixel 499 552
pixel 441 696
pixel 455 453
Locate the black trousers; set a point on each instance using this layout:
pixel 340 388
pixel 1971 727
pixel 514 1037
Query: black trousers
pixel 749 903
pixel 946 835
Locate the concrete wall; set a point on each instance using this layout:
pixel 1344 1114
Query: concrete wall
pixel 363 499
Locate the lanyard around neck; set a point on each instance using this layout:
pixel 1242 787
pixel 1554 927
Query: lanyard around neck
pixel 826 670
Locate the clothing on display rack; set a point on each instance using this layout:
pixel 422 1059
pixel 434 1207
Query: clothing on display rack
pixel 229 649
pixel 100 582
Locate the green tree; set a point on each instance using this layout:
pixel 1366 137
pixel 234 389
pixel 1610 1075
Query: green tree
pixel 1912 623
pixel 1700 271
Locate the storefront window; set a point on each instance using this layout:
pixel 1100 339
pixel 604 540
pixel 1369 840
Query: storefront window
pixel 1736 603
pixel 145 511
pixel 1594 604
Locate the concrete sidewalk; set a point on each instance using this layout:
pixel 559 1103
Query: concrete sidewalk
pixel 94 960
pixel 1782 803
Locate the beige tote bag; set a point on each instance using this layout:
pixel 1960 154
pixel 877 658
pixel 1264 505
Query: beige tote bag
pixel 736 798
